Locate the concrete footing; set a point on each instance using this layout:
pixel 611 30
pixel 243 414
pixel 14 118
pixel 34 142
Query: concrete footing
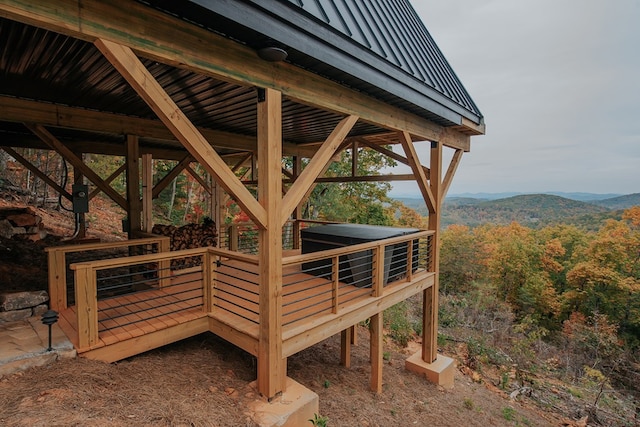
pixel 294 408
pixel 439 372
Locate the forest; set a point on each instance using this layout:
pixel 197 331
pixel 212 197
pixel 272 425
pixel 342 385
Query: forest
pixel 521 306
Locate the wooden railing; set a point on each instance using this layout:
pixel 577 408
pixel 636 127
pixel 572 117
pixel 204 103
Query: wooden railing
pixel 57 260
pixel 226 284
pixel 355 271
pixel 243 236
pixel 186 274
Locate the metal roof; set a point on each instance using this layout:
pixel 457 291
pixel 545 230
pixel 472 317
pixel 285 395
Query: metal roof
pixel 380 47
pixel 362 44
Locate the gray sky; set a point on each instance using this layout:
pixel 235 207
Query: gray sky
pixel 558 82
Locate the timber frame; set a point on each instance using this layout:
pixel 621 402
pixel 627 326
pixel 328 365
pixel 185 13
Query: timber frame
pixel 132 39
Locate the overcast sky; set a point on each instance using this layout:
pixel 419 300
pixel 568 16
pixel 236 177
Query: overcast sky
pixel 558 82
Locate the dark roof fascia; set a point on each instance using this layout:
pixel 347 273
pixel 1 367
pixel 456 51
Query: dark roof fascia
pixel 299 30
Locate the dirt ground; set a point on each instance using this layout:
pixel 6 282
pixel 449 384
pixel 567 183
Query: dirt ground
pixel 204 381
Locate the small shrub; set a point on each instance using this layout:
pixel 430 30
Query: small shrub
pixel 508 413
pixel 468 403
pixel 326 384
pixel 319 421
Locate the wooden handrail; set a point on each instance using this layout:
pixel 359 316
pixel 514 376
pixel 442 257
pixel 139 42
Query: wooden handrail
pixel 57 271
pixel 314 256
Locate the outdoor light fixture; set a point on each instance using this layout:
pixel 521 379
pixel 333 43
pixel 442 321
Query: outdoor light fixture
pixel 272 53
pixel 49 318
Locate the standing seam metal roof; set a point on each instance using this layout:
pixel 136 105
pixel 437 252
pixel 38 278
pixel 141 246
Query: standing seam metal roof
pixel 380 47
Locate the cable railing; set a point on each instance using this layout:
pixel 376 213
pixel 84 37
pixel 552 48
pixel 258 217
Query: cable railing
pixel 61 277
pixel 327 281
pixel 139 294
pixel 124 297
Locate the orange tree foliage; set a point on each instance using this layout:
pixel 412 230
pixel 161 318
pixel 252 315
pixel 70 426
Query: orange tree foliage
pixel 549 274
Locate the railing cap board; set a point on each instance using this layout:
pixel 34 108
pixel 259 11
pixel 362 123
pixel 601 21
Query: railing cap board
pixel 298 259
pixel 105 245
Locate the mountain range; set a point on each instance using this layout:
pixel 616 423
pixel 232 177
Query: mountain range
pixel 533 210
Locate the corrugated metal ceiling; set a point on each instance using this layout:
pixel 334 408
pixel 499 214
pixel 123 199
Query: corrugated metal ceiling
pixel 46 66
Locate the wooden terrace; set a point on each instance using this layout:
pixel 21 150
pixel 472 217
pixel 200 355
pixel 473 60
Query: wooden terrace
pixel 128 305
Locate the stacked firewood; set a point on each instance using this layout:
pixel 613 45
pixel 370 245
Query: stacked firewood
pixel 188 236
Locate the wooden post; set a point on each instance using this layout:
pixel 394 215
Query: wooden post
pixel 164 266
pixel 57 279
pixel 430 296
pixel 233 237
pixel 345 347
pixel 86 306
pixel 336 284
pixel 133 185
pixel 147 192
pixel 207 274
pixel 271 364
pixel 376 352
pixel 378 270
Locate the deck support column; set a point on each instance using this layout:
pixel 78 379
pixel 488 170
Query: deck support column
pixel 375 330
pixel 345 347
pixel 271 363
pixel 133 185
pixel 430 299
pixel 438 369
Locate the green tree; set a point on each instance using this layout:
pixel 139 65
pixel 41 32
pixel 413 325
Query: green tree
pixel 462 259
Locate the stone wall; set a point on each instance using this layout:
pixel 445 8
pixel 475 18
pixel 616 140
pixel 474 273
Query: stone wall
pixel 16 306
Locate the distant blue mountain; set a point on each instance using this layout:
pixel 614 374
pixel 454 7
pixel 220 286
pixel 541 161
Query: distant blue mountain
pixel 581 197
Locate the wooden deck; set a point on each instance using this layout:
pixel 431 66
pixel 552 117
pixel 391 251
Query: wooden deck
pixel 313 308
pixel 128 317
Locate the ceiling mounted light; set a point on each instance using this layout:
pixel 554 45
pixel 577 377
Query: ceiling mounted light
pixel 272 53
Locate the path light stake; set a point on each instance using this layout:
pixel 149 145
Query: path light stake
pixel 49 318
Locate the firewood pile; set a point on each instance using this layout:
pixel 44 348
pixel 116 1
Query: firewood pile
pixel 188 236
pixel 21 224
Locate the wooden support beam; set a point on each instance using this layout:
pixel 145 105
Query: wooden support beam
pixel 317 164
pixel 391 154
pixel 109 180
pixel 430 297
pixel 54 115
pixel 451 171
pixel 132 69
pixel 169 177
pixel 418 171
pixel 76 162
pixel 271 370
pixel 24 162
pixel 133 185
pixel 376 352
pixel 147 192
